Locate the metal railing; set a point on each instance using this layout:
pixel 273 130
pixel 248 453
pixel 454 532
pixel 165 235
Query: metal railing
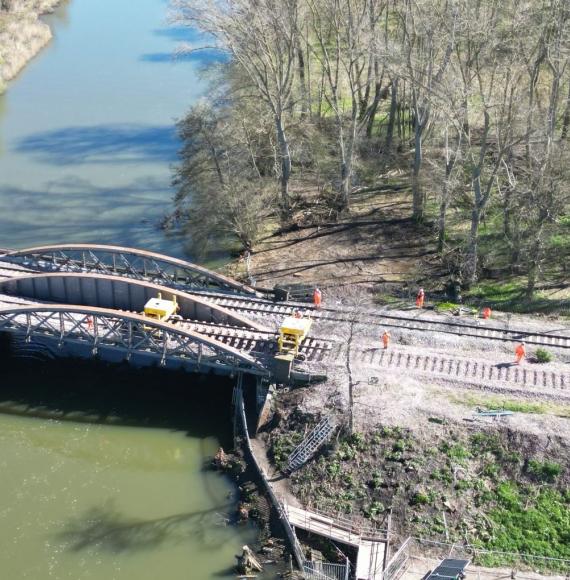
pixel 354 525
pixel 399 562
pixel 418 551
pixel 326 570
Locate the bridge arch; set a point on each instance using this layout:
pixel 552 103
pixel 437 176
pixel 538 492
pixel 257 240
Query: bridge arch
pixel 113 292
pixel 127 262
pixel 130 336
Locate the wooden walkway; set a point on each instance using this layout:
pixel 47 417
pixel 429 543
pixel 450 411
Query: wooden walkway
pixel 371 543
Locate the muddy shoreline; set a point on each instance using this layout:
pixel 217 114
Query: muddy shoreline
pixel 22 36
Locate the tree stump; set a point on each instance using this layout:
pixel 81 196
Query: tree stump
pixel 247 562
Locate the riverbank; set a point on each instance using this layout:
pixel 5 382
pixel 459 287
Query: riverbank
pixel 22 35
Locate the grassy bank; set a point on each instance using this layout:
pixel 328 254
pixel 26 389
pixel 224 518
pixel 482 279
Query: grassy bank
pixel 493 489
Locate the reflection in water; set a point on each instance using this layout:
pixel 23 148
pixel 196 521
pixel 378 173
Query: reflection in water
pixel 106 529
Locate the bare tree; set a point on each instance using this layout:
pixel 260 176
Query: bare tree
pixel 262 36
pixel 344 32
pixel 428 42
pixel 490 70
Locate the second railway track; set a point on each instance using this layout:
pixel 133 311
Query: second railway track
pixel 261 306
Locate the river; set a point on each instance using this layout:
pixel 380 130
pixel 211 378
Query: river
pixel 102 467
pixel 87 134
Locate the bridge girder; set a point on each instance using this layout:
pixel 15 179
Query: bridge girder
pixel 128 262
pixel 130 334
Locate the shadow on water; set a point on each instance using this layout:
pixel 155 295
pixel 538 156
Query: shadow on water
pixel 102 144
pixel 90 218
pixel 181 34
pixel 105 529
pixel 205 57
pixel 97 392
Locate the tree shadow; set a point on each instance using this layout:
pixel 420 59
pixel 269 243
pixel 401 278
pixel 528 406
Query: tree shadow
pixel 180 33
pixel 204 57
pixel 77 210
pixel 105 529
pixel 102 144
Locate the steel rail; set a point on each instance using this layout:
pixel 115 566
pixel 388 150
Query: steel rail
pixel 261 306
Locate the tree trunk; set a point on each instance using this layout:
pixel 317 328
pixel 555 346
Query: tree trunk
pixel 443 215
pixel 285 165
pixel 302 83
pixel 471 260
pixel 392 115
pixel 417 194
pixel 566 117
pixel 373 109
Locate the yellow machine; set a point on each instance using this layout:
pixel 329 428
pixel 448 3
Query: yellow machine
pixel 292 332
pixel 159 309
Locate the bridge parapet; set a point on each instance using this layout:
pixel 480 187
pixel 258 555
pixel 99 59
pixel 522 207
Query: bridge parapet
pixel 126 262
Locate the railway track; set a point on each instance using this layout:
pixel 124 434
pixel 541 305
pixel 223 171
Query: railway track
pixel 255 342
pixel 261 306
pixel 458 369
pixel 260 342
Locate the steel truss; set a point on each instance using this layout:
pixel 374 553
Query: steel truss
pixel 127 262
pixel 130 333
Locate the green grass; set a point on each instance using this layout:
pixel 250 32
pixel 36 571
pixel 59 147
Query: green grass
pixel 509 296
pixel 514 405
pixel 531 521
pixel 543 356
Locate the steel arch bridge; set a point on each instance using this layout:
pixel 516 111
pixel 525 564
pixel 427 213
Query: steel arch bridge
pixel 117 293
pixel 126 262
pixel 101 330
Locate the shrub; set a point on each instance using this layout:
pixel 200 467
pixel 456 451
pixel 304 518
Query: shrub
pixel 419 498
pixel 543 356
pixel 547 471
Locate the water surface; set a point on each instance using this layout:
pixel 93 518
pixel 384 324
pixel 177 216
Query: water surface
pixel 113 487
pixel 87 133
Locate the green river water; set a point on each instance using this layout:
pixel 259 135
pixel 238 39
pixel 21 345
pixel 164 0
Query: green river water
pixel 103 473
pixel 102 467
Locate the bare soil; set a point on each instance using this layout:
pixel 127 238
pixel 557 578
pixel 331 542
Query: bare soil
pixel 376 242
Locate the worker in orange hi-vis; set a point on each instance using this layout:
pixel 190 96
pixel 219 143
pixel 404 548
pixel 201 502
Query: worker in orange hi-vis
pixel 420 298
pixel 386 339
pixel 317 298
pixel 486 313
pixel 520 353
pixel 89 321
